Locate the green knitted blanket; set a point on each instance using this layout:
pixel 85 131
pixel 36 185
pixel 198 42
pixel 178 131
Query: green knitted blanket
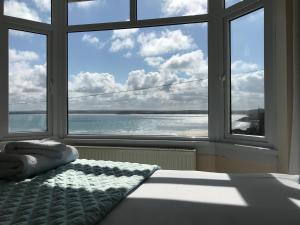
pixel 82 192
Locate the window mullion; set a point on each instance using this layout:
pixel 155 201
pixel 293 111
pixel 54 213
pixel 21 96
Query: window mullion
pixel 133 10
pixel 215 68
pixel 3 77
pixel 59 69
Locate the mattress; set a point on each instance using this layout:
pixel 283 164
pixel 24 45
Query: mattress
pixel 80 193
pixel 196 198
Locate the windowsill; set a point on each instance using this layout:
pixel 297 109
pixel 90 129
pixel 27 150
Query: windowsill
pixel 256 154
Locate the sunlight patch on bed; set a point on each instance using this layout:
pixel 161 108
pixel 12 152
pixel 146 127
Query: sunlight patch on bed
pixel 192 175
pixel 191 193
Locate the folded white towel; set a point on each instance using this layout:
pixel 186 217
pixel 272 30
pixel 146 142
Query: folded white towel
pixel 48 148
pixel 19 167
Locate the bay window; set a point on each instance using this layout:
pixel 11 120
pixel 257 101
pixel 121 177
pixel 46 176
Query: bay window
pixel 135 69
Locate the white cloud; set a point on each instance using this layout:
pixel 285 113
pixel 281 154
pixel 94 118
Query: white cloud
pixel 140 79
pixel 167 41
pixel 23 56
pixel 27 81
pixel 161 89
pixel 90 4
pixel 20 10
pixel 86 82
pixel 247 86
pixel 180 82
pixel 121 44
pixel 243 67
pixel 124 33
pixel 92 40
pixel 43 5
pixel 193 64
pixel 154 61
pixel 184 7
pixel 123 39
pixel 248 82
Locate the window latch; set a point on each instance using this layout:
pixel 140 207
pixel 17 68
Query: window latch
pixel 222 78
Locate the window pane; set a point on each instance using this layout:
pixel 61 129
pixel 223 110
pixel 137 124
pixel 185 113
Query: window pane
pixel 139 81
pixel 35 10
pixel 97 11
pixel 247 74
pixel 229 3
pixel 27 82
pixel 149 9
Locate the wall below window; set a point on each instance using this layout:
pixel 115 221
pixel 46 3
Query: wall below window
pixel 230 158
pixel 214 157
pixel 207 156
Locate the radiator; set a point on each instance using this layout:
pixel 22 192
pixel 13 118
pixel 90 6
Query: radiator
pixel 170 159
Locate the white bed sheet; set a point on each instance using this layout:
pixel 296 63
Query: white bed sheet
pixel 196 198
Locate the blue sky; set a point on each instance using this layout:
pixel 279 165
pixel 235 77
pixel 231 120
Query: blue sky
pixel 118 61
pixel 98 57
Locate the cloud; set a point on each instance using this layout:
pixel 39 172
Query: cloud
pixel 86 82
pixel 123 39
pixel 43 5
pixel 250 82
pixel 243 67
pixel 167 41
pixel 92 40
pixel 21 10
pixel 90 4
pixel 140 79
pixel 247 100
pixel 119 44
pixel 176 83
pixel 27 81
pixel 247 77
pixel 193 64
pixel 183 7
pixel 25 56
pixel 154 61
pixel 124 33
pixel 165 88
pixel 247 81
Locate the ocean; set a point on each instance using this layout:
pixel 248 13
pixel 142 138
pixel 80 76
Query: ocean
pixel 194 125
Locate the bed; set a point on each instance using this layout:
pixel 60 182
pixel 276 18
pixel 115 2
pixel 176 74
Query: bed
pixel 112 193
pixel 205 198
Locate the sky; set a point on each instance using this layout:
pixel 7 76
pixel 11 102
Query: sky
pixel 162 68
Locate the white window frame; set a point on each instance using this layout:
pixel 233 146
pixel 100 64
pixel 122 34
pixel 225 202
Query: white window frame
pixel 13 23
pixel 217 19
pixel 132 23
pixel 239 11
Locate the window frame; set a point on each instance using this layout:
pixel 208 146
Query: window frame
pixel 134 22
pixel 234 12
pixel 26 21
pixel 12 23
pixel 227 68
pixel 216 18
